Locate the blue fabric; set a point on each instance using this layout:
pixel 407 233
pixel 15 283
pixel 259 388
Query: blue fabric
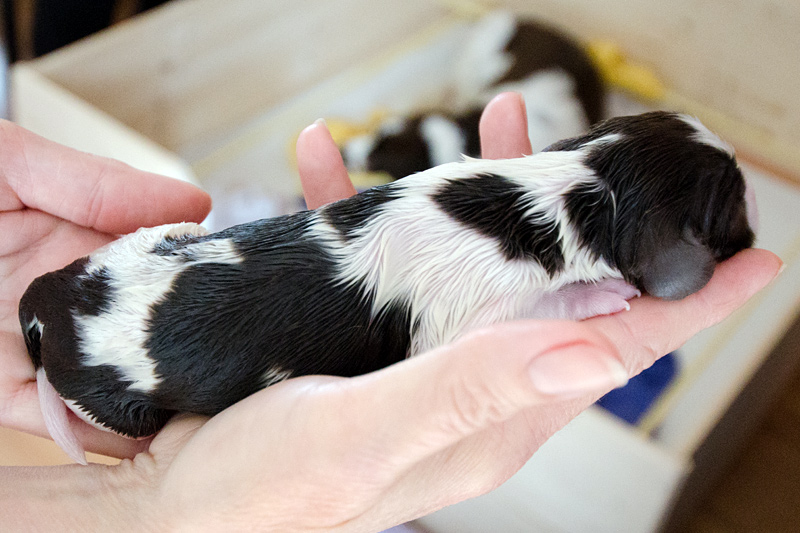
pixel 633 400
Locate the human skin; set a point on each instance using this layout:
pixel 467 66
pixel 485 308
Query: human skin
pixel 317 452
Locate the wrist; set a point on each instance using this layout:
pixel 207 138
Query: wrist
pixel 76 498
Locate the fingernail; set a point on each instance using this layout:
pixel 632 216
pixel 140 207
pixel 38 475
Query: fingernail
pixel 318 122
pixel 576 369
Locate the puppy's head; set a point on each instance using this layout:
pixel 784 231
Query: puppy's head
pixel 668 204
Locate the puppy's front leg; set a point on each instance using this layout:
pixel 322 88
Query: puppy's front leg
pixel 580 300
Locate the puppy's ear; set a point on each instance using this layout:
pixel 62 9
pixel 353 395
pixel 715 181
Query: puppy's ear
pixel 674 267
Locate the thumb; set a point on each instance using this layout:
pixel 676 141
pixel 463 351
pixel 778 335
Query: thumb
pixel 429 403
pixel 174 436
pixel 504 127
pixel 323 175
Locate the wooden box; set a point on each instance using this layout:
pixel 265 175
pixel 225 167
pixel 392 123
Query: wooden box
pixel 215 92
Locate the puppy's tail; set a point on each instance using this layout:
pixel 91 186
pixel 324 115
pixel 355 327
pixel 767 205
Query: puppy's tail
pixel 56 419
pixel 33 317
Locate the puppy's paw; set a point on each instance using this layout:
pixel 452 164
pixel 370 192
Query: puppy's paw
pixel 578 301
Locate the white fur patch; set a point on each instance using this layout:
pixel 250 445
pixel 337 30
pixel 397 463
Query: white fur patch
pixel 35 323
pixel 605 139
pixel 275 375
pixel 356 152
pixel 454 277
pixel 393 126
pixel 87 417
pixel 446 142
pixel 706 136
pixel 553 110
pixel 483 59
pixel 139 279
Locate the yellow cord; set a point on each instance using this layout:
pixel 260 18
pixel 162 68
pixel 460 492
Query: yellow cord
pixel 617 71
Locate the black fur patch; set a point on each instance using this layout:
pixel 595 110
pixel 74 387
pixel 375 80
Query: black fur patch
pixel 591 211
pixel 469 124
pixel 104 393
pixel 280 308
pixel 352 214
pixel 406 152
pixel 176 246
pixel 402 153
pixel 93 295
pixel 101 390
pixel 493 206
pixel 671 193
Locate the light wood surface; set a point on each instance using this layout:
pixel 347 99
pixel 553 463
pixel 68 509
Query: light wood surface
pixel 21 449
pixel 736 62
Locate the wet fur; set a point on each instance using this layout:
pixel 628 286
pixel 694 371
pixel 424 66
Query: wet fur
pixel 171 319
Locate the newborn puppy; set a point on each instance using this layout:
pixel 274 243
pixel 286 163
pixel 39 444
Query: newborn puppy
pixel 563 93
pixel 173 319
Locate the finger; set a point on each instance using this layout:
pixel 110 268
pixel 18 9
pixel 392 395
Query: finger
pixel 89 190
pixel 484 379
pixel 169 441
pixel 504 128
pixel 653 328
pixel 322 172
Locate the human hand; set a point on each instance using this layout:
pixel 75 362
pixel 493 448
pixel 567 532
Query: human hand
pixel 366 453
pixel 56 205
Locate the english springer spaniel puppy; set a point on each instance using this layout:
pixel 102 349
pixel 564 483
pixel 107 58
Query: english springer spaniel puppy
pixel 172 318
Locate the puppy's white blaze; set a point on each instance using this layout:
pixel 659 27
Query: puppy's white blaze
pixel 706 136
pixel 139 279
pixel 444 138
pixel 453 277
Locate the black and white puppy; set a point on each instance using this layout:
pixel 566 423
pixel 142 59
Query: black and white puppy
pixel 173 319
pixel 563 91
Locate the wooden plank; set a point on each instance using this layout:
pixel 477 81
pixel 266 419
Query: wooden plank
pixel 45 108
pixel 21 449
pixel 192 69
pixel 734 58
pixel 761 488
